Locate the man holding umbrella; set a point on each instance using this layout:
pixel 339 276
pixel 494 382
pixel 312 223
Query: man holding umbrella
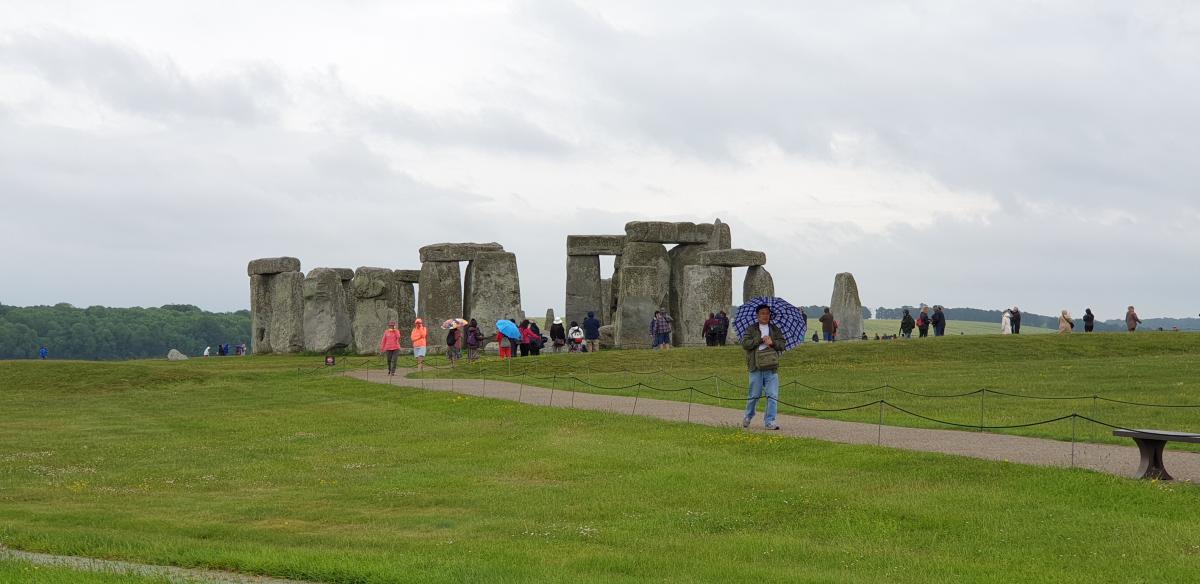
pixel 763 342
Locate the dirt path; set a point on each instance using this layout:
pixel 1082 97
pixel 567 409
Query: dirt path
pixel 171 573
pixel 1107 458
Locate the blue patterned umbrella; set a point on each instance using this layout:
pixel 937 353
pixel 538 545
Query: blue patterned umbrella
pixel 791 320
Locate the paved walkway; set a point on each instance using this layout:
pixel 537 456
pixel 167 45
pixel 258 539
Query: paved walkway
pixel 1107 458
pixel 169 573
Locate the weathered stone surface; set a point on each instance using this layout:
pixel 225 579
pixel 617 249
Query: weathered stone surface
pixel 643 290
pixel 260 314
pixel 327 324
pixel 583 287
pixel 268 266
pixel 406 308
pixel 758 282
pixel 374 306
pixel 493 290
pixel 733 258
pixel 667 232
pixel 287 312
pixel 589 245
pixel 175 355
pixel 440 296
pixel 688 232
pixel 344 274
pixel 704 291
pixel 347 277
pixel 455 252
pixel 549 321
pixel 653 255
pixel 410 276
pixel 721 236
pixel 606 301
pixel 606 336
pixel 680 257
pixel 846 307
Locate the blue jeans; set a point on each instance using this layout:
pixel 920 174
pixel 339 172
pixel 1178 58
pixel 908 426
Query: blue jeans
pixel 828 337
pixel 662 339
pixel 764 381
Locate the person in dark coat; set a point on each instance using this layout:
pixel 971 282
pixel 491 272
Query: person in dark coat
pixel 939 322
pixel 1089 321
pixel 827 327
pixel 724 332
pixel 1016 320
pixel 591 332
pixel 558 335
pixel 907 324
pixel 710 330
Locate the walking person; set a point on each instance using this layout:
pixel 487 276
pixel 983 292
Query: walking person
pixel 453 352
pixel 575 337
pixel 907 324
pixel 474 340
pixel 43 352
pixel 1089 321
pixel 660 329
pixel 1065 323
pixel 723 333
pixel 1131 320
pixel 938 321
pixel 1016 320
pixel 710 330
pixel 420 342
pixel 591 332
pixel 389 345
pixel 207 351
pixel 763 343
pixel 523 343
pixel 505 344
pixel 1006 323
pixel 923 322
pixel 558 335
pixel 827 326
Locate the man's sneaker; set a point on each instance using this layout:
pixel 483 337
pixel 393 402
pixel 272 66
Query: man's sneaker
pixel 745 422
pixel 772 426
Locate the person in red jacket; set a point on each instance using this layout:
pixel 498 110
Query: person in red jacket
pixel 389 345
pixel 420 339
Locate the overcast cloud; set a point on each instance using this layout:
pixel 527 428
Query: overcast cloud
pixel 968 154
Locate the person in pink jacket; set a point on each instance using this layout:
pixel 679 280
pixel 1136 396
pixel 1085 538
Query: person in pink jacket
pixel 389 345
pixel 420 339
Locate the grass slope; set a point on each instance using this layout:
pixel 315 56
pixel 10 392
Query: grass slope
pixel 245 464
pixel 1158 368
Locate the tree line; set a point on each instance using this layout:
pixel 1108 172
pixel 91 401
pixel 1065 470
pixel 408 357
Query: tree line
pixel 98 332
pixel 1041 320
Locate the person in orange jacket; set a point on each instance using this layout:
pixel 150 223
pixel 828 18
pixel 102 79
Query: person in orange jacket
pixel 420 338
pixel 390 345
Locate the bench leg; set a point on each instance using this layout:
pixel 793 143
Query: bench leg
pixel 1151 465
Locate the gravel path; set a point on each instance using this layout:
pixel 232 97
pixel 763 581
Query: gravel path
pixel 170 573
pixel 1107 458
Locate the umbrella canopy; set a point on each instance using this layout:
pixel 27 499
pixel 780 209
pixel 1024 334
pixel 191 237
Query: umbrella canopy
pixel 791 320
pixel 508 329
pixel 453 323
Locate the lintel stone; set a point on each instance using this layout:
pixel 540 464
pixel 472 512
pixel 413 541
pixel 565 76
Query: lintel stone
pixel 733 258
pixel 598 245
pixel 456 252
pixel 267 266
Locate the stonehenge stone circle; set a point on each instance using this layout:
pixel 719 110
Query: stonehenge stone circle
pixel 846 307
pixel 583 287
pixel 643 291
pixel 704 291
pixel 440 296
pixel 455 252
pixel 733 258
pixel 493 291
pixel 374 306
pixel 595 245
pixel 758 282
pixel 269 266
pixel 327 324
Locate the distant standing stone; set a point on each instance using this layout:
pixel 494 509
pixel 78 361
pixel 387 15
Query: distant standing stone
pixel 175 355
pixel 758 282
pixel 846 307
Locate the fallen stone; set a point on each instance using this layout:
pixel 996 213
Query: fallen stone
pixel 268 266
pixel 847 307
pixel 327 324
pixel 493 291
pixel 733 258
pixel 705 290
pixel 586 245
pixel 758 282
pixel 455 252
pixel 583 287
pixel 175 355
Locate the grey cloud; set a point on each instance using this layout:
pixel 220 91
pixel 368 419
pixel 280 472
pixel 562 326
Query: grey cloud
pixel 134 82
pixel 490 129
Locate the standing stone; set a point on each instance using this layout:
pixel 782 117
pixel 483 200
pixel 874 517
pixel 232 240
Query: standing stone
pixel 606 336
pixel 682 256
pixel 653 255
pixel 583 287
pixel 721 236
pixel 375 306
pixel 327 324
pixel 846 307
pixel 440 297
pixel 287 312
pixel 549 321
pixel 347 277
pixel 606 301
pixel 175 355
pixel 643 290
pixel 493 290
pixel 758 282
pixel 704 291
pixel 260 314
pixel 406 307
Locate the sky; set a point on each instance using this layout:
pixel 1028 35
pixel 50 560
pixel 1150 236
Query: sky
pixel 981 154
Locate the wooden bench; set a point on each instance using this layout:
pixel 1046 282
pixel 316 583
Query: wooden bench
pixel 1150 445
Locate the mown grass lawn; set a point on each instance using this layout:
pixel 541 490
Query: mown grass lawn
pixel 13 571
pixel 1155 368
pixel 245 464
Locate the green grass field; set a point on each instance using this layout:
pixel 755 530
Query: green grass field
pixel 880 327
pixel 1156 368
pixel 247 464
